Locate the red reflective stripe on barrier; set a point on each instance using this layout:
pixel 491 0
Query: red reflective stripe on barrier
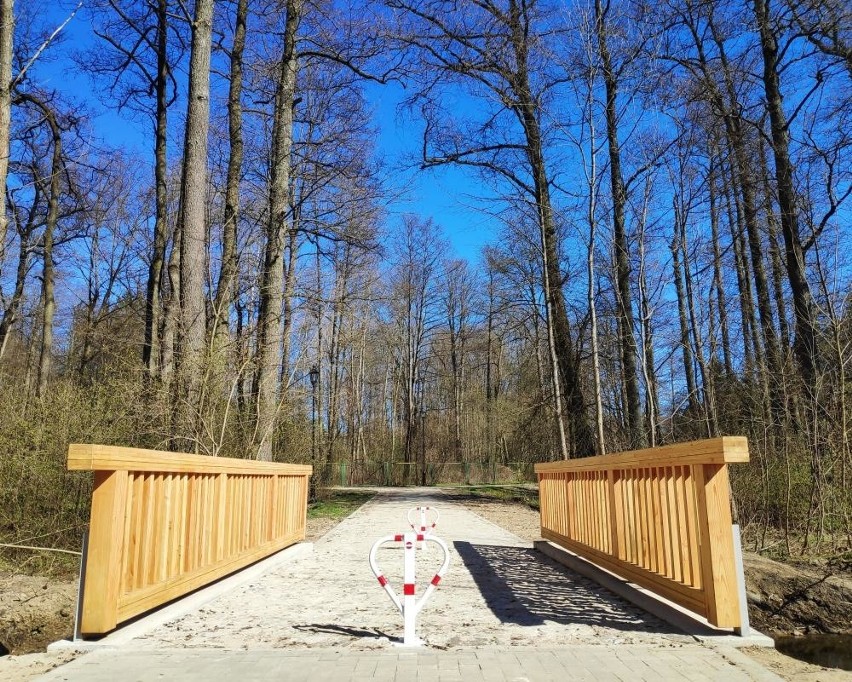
pixel 422 529
pixel 436 579
pixel 408 589
pixel 382 580
pixel 433 525
pixel 419 537
pixel 397 538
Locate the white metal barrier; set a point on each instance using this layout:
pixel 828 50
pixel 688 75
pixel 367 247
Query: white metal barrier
pixel 424 528
pixel 410 606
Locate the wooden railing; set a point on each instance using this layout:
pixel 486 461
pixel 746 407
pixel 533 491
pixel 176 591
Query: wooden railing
pixel 164 523
pixel 659 517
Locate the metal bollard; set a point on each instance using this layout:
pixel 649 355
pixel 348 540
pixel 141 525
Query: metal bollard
pixel 424 528
pixel 410 606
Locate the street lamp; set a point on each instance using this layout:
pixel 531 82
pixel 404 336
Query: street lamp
pixel 421 391
pixel 314 377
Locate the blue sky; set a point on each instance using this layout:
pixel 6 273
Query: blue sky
pixel 443 194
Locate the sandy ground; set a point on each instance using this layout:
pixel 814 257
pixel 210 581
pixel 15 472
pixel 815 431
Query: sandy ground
pixel 498 592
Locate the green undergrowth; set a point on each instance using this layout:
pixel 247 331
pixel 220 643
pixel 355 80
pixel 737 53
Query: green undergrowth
pixel 505 493
pixel 337 504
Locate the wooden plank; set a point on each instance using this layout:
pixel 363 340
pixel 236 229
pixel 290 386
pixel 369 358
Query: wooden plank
pixel 151 597
pixel 728 449
pixel 665 517
pixel 656 504
pixel 616 532
pixel 221 515
pixel 106 547
pixel 685 562
pixel 692 527
pixel 89 457
pixel 717 548
pixel 629 476
pixel 132 528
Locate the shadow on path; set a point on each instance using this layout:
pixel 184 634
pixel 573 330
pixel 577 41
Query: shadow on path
pixel 522 586
pixel 333 629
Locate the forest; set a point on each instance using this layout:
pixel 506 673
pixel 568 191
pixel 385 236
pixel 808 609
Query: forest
pixel 666 187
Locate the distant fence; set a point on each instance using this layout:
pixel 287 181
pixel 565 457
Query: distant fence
pixel 165 523
pixel 659 517
pixel 378 473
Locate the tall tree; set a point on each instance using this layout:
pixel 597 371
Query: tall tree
pixel 225 289
pixel 7 36
pixel 271 288
pixel 624 297
pixel 193 217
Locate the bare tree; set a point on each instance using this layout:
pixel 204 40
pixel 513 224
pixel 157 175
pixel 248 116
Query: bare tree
pixel 193 218
pixel 271 288
pixel 7 35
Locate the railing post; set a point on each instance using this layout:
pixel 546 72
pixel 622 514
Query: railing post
pixel 716 544
pixel 106 547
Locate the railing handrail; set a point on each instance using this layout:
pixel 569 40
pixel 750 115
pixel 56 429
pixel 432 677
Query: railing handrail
pixel 89 457
pixel 723 450
pixel 659 517
pixel 163 524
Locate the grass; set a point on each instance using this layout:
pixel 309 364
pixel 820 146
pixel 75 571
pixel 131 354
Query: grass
pixel 502 493
pixel 337 504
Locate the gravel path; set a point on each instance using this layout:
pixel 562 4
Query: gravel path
pixel 497 592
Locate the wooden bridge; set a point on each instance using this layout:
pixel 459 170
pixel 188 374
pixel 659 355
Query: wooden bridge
pixel 659 518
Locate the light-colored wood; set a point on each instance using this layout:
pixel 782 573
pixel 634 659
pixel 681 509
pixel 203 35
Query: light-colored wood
pixel 87 457
pixel 660 517
pixel 106 547
pixel 158 533
pixel 717 545
pixel 725 450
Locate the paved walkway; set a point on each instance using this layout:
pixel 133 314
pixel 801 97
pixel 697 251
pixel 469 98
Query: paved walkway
pixel 503 612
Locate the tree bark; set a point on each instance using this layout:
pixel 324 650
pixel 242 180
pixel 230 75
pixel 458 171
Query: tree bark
pixel 7 36
pixel 624 299
pixel 685 342
pixel 228 272
pixel 565 365
pixel 805 344
pixel 153 294
pixel 271 288
pixel 193 327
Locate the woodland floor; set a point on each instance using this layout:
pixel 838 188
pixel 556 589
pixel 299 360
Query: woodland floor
pixel 784 599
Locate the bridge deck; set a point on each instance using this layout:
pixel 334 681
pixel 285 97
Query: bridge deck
pixel 503 612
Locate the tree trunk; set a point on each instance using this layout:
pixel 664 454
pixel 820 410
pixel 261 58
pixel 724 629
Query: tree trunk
pixel 7 37
pixel 10 314
pixel 567 387
pixel 685 343
pixel 153 294
pixel 271 289
pixel 718 288
pixel 193 327
pixel 805 344
pixel 624 300
pixel 228 272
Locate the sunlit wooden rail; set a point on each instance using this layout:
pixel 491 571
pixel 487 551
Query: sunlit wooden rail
pixel 164 523
pixel 659 517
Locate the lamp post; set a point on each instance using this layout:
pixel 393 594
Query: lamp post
pixel 421 391
pixel 314 377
